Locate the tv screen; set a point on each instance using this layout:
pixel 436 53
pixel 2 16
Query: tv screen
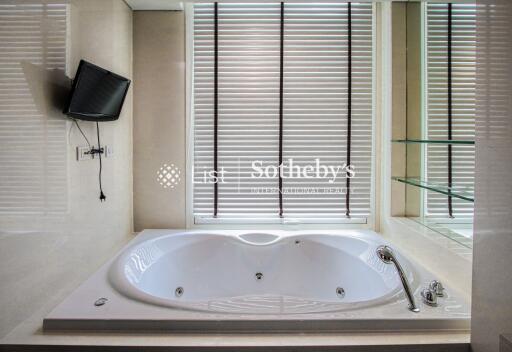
pixel 96 94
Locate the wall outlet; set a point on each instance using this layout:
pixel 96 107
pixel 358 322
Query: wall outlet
pixel 83 153
pixel 109 151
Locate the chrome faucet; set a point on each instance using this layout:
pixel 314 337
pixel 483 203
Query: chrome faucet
pixel 386 254
pixel 437 287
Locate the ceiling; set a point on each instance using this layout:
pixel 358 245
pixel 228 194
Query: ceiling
pixel 155 5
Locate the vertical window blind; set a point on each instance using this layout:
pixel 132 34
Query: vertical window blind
pixel 451 75
pixel 284 73
pixel 33 158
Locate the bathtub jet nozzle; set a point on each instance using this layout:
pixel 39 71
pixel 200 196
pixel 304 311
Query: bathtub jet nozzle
pixel 386 254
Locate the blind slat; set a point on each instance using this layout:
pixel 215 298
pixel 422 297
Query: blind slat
pixel 314 107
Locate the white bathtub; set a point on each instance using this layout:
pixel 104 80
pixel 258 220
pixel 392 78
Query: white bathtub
pixel 258 273
pixel 267 281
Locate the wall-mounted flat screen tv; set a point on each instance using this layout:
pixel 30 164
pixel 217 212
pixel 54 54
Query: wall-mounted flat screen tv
pixel 96 94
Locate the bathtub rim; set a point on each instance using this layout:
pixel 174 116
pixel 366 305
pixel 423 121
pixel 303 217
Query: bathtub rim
pixel 120 284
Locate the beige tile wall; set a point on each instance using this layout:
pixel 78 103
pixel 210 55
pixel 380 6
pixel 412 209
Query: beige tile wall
pixel 45 257
pixel 492 241
pixel 159 117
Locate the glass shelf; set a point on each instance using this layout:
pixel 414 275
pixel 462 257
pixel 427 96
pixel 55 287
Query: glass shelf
pixel 434 141
pixel 464 193
pixel 460 231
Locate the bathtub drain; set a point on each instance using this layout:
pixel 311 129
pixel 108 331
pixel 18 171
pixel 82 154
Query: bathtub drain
pixel 340 292
pixel 179 291
pixel 100 301
pixel 259 276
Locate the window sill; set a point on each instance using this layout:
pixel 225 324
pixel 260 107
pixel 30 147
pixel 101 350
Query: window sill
pixel 200 220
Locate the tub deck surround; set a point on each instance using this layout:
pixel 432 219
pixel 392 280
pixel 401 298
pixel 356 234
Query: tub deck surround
pixel 236 281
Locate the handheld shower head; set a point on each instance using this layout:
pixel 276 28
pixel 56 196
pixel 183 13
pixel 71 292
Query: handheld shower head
pixel 386 254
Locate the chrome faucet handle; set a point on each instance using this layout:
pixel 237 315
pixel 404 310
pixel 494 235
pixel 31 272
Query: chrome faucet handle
pixel 437 287
pixel 429 297
pixel 386 254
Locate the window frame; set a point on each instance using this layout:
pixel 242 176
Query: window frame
pixel 285 224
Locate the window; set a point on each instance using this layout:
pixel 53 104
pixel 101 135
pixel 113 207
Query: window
pixel 294 84
pixel 450 94
pixel 33 176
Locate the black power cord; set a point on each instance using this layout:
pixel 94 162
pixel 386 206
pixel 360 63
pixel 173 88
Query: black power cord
pixel 100 151
pixel 83 134
pixel 93 151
